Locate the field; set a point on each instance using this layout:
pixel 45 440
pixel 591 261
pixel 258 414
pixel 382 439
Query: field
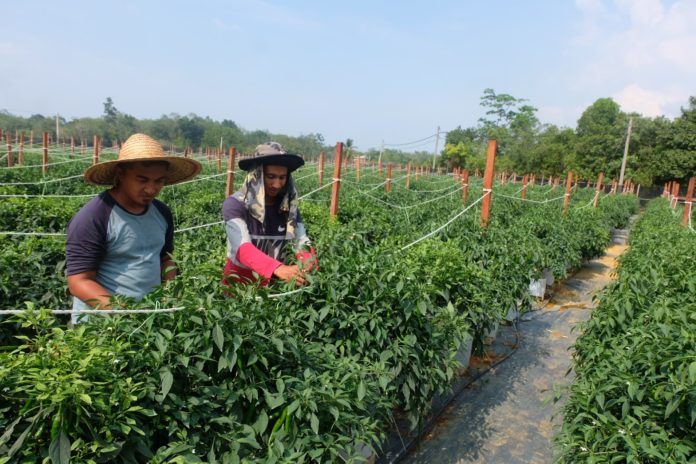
pixel 405 280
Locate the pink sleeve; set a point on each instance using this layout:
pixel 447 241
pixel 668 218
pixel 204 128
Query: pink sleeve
pixel 256 260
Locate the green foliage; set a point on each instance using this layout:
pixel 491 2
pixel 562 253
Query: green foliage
pixel 632 399
pixel 303 378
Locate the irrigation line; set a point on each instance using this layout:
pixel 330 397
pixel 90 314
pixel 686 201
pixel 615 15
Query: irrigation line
pixel 445 224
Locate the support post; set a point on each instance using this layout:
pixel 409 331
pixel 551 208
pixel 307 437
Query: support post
pixel 687 203
pixel 408 176
pixel 599 189
pixel 10 161
pixel 389 177
pixel 44 160
pixel 566 199
pixel 488 183
pixel 335 189
pixel 524 187
pixel 465 185
pixel 229 186
pixel 321 169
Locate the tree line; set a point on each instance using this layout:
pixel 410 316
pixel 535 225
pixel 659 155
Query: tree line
pixel 660 149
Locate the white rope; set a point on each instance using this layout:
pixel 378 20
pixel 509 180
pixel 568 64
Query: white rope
pixel 199 179
pixel 415 205
pixel 446 224
pixel 43 181
pixel 96 311
pixel 210 224
pixel 86 158
pixel 317 189
pixel 304 177
pixel 27 196
pixel 38 234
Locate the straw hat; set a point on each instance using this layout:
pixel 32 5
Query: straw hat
pixel 271 153
pixel 140 147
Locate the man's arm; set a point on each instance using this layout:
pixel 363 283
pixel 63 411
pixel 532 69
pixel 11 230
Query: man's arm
pixel 85 287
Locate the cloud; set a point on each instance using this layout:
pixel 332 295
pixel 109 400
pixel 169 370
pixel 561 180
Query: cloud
pixel 634 98
pixel 9 49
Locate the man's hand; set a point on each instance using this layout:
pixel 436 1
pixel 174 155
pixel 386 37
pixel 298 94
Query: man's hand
pixel 290 273
pixel 85 286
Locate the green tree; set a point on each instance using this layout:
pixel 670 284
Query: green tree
pixel 600 137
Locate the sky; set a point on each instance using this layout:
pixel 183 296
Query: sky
pixel 373 71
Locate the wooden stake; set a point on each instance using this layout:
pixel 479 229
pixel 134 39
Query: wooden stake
pixel 524 187
pixel 599 188
pixel 687 203
pixel 44 167
pixel 357 168
pixel 566 199
pixel 10 161
pixel 333 210
pixel 465 185
pixel 389 177
pixel 321 169
pixel 20 156
pixel 408 176
pixel 95 155
pixel 675 194
pixel 488 183
pixel 229 186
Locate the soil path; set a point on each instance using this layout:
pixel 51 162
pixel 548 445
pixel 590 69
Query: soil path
pixel 506 415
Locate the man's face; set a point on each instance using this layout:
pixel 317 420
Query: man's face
pixel 141 184
pixel 274 180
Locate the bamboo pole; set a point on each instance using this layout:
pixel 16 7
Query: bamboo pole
pixel 321 168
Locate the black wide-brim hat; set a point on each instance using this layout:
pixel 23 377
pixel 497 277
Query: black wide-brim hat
pixel 271 153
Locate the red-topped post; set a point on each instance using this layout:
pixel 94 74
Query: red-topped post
pixel 335 190
pixel 488 183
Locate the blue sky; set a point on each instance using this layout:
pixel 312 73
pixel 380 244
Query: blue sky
pixel 366 70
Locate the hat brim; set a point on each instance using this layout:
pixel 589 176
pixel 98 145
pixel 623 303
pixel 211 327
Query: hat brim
pixel 180 170
pixel 292 162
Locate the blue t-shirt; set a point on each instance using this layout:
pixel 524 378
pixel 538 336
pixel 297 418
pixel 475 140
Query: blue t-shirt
pixel 125 249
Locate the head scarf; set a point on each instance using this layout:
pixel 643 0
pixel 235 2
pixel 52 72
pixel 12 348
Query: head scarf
pixel 252 194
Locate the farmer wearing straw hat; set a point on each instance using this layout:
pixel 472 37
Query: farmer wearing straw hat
pixel 263 218
pixel 120 242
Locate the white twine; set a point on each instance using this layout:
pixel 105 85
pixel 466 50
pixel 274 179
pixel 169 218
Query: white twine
pixel 210 224
pixel 86 158
pixel 42 181
pixel 415 205
pixel 96 311
pixel 27 196
pixel 317 189
pixel 446 224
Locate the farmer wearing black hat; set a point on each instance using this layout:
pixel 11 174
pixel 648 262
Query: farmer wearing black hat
pixel 262 218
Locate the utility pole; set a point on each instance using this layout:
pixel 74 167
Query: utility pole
pixel 437 141
pixel 625 154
